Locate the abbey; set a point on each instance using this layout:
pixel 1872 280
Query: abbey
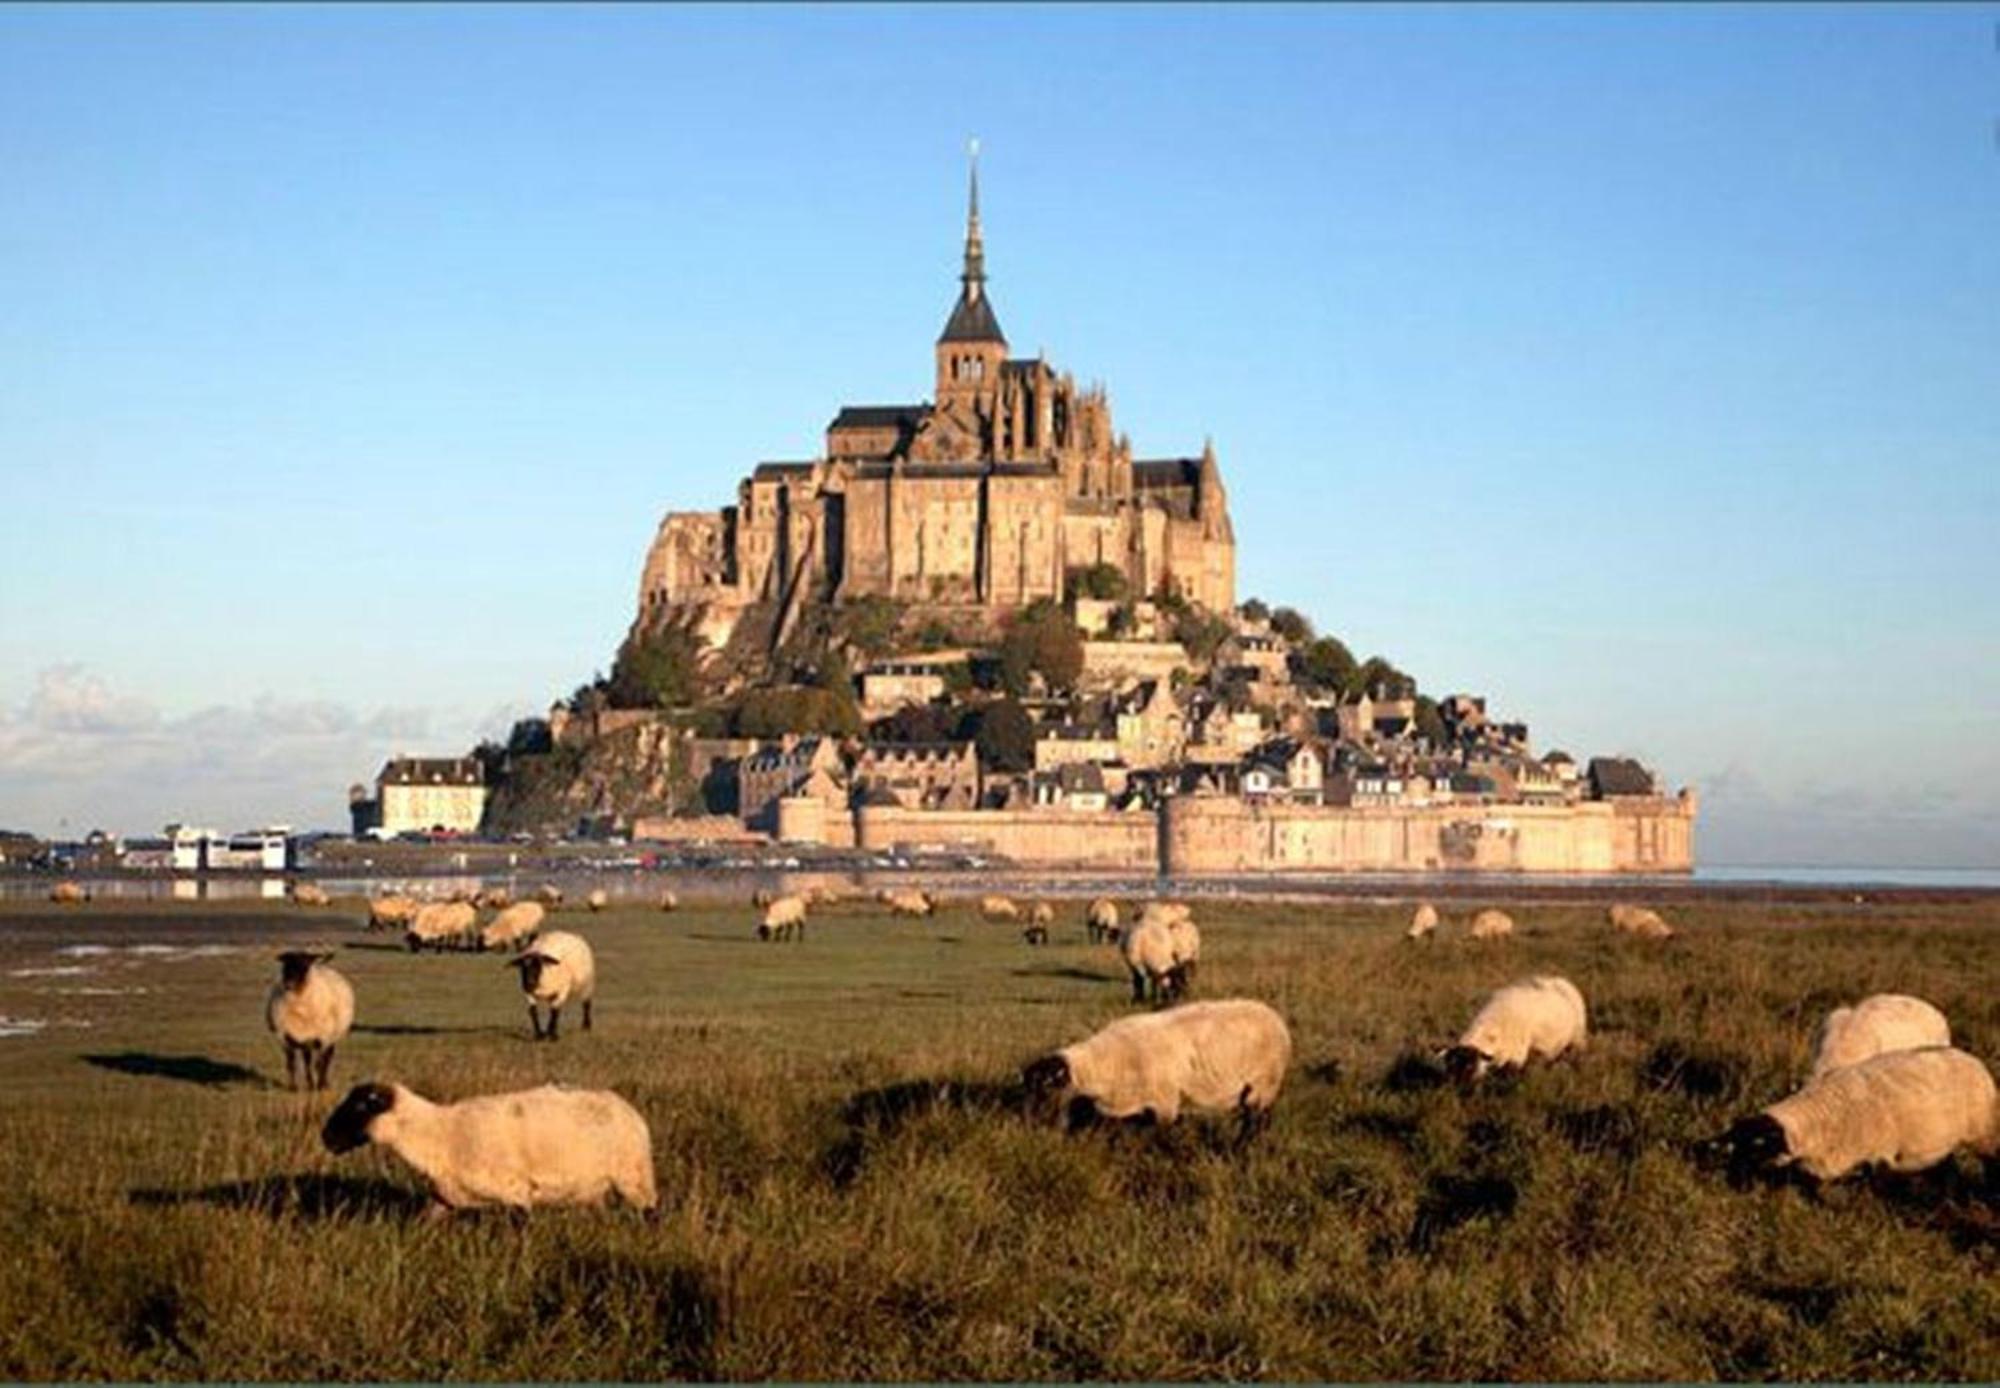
pixel 980 498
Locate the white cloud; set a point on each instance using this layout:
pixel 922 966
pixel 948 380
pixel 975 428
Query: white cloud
pixel 1744 820
pixel 77 754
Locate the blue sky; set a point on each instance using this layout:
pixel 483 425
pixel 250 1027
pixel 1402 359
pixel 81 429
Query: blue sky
pixel 1637 367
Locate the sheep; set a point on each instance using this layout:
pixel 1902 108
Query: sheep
pixel 390 912
pixel 1423 921
pixel 1186 938
pixel 909 903
pixel 762 897
pixel 441 924
pixel 1165 912
pixel 1541 1016
pixel 1035 933
pixel 1148 951
pixel 493 899
pixel 311 1009
pixel 597 900
pixel 1874 1026
pixel 1101 920
pixel 1041 913
pixel 669 902
pixel 998 908
pixel 68 894
pixel 559 970
pixel 1207 1055
pixel 547 1146
pixel 1491 925
pixel 784 919
pixel 309 894
pixel 1639 921
pixel 1902 1110
pixel 515 926
pixel 550 895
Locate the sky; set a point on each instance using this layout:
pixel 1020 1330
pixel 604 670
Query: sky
pixel 1636 367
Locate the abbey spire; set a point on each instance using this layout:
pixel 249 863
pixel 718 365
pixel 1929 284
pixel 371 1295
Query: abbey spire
pixel 972 317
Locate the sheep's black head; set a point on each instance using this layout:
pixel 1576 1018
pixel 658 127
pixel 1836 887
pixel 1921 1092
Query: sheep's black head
pixel 347 1128
pixel 531 966
pixel 1045 1080
pixel 1466 1064
pixel 295 964
pixel 1753 1146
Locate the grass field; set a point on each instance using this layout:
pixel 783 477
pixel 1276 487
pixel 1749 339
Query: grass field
pixel 169 1212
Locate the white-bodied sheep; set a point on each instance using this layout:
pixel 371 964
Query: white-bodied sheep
pixel 784 919
pixel 441 925
pixel 1875 1026
pixel 669 902
pixel 1165 912
pixel 391 912
pixel 311 1010
pixel 1491 925
pixel 493 899
pixel 513 927
pixel 309 894
pixel 1423 921
pixel 998 908
pixel 1542 1016
pixel 546 1146
pixel 1148 951
pixel 550 895
pixel 1101 920
pixel 1041 913
pixel 1186 939
pixel 1207 1055
pixel 762 897
pixel 1903 1110
pixel 68 894
pixel 911 903
pixel 559 970
pixel 598 899
pixel 1641 922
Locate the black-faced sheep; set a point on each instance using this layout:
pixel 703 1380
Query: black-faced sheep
pixel 68 894
pixel 1101 921
pixel 442 925
pixel 784 919
pixel 1423 921
pixel 1537 1017
pixel 559 970
pixel 1875 1026
pixel 1228 1055
pixel 669 902
pixel 597 900
pixel 549 895
pixel 391 912
pixel 309 894
pixel 1903 1111
pixel 546 1146
pixel 998 908
pixel 1491 925
pixel 1149 954
pixel 311 1009
pixel 908 903
pixel 1638 921
pixel 513 927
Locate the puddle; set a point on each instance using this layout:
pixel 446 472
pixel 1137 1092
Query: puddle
pixel 20 1026
pixel 55 971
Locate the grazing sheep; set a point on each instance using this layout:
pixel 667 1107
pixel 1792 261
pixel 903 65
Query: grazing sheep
pixel 1041 913
pixel 784 919
pixel 1903 1110
pixel 311 1010
pixel 1101 920
pixel 1491 925
pixel 1639 921
pixel 67 894
pixel 762 898
pixel 1187 952
pixel 513 927
pixel 597 900
pixel 1874 1026
pixel 1542 1016
pixel 1165 912
pixel 493 899
pixel 998 908
pixel 669 902
pixel 1035 933
pixel 391 912
pixel 559 970
pixel 309 894
pixel 547 1146
pixel 549 895
pixel 1206 1055
pixel 1148 951
pixel 441 924
pixel 908 903
pixel 1423 921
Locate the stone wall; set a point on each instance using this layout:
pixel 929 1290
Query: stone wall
pixel 1064 838
pixel 711 828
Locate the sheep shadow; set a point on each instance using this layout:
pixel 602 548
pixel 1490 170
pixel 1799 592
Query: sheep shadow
pixel 1450 1201
pixel 1068 971
pixel 748 937
pixel 191 1069
pixel 413 1029
pixel 1963 1207
pixel 1694 1071
pixel 307 1196
pixel 872 1118
pixel 378 946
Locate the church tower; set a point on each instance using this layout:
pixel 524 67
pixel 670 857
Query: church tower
pixel 971 349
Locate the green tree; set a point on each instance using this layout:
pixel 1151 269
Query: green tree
pixel 1042 640
pixel 1255 610
pixel 1199 634
pixel 1293 625
pixel 870 625
pixel 1377 676
pixel 1006 737
pixel 1105 582
pixel 658 669
pixel 795 709
pixel 1430 723
pixel 1325 663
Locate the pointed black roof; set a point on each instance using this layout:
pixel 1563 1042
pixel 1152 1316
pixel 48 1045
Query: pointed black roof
pixel 972 319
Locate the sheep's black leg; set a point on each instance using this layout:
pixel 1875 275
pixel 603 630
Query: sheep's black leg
pixel 586 1015
pixel 1138 986
pixel 554 1013
pixel 291 1064
pixel 534 1022
pixel 325 1064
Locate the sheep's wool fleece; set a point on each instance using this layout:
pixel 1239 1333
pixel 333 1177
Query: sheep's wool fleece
pixel 573 977
pixel 513 923
pixel 1202 1055
pixel 1875 1026
pixel 1423 920
pixel 1641 921
pixel 545 1146
pixel 1541 1016
pixel 1491 925
pixel 1148 948
pixel 1186 939
pixel 443 919
pixel 786 910
pixel 1907 1110
pixel 322 1010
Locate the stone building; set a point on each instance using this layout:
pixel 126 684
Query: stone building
pixel 982 497
pixel 424 795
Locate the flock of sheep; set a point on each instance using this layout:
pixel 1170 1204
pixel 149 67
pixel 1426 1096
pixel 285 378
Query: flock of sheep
pixel 1886 1088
